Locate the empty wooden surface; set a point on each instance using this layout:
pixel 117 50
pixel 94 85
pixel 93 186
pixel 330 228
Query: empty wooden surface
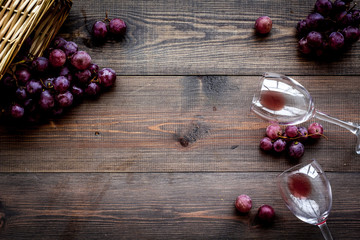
pixel 115 168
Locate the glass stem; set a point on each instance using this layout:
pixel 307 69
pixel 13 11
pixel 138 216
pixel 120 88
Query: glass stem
pixel 352 127
pixel 325 231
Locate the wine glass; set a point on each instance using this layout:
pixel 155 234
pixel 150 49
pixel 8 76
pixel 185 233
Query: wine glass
pixel 307 193
pixel 282 99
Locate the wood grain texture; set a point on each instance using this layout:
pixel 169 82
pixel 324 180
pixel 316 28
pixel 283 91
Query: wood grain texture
pixel 161 206
pixel 202 38
pixel 137 126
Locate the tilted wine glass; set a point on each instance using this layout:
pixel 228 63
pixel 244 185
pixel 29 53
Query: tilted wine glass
pixel 282 99
pixel 307 193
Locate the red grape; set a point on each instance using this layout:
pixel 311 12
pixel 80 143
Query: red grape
pixel 266 144
pixel 303 134
pixel 57 58
pixel 70 48
pixel 64 99
pixel 273 131
pixel 61 84
pixel 99 30
pixel 314 39
pixel 266 214
pixel 323 7
pixel 117 27
pixel 315 130
pixel 279 145
pixel 40 64
pixel 83 76
pixel 291 131
pixel 33 87
pixel 107 77
pixel 17 111
pixel 23 74
pixel 296 150
pixel 81 60
pixel 46 100
pixel 243 203
pixel 263 25
pixel 92 89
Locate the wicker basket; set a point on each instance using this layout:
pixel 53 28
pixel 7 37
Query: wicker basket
pixel 21 18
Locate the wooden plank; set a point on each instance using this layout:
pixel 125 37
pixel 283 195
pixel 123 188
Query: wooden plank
pixel 161 206
pixel 136 127
pixel 203 38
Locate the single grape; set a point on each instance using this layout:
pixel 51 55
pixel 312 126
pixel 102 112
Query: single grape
pixel 291 131
pixel 304 46
pixel 9 82
pixel 117 27
pixel 81 60
pixel 266 144
pixel 303 134
pixel 40 64
pixel 314 39
pixel 296 149
pixel 323 7
pixel 346 20
pixel 20 94
pixel 58 42
pixel 65 71
pixel 273 131
pixel 339 6
pixel 336 41
pixel 99 30
pixel 64 99
pixel 302 28
pixel 77 92
pixel 356 17
pixel 61 84
pixel 17 111
pixel 46 101
pixel 94 69
pixel 107 77
pixel 23 75
pixel 34 87
pixel 92 89
pixel 83 76
pixel 263 25
pixel 314 21
pixel 57 58
pixel 70 48
pixel 279 145
pixel 351 34
pixel 243 203
pixel 315 130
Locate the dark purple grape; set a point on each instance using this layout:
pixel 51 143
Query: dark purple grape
pixel 34 87
pixel 83 76
pixel 64 99
pixel 93 89
pixel 17 111
pixel 22 75
pixel 8 82
pixel 57 58
pixel 94 69
pixel 46 101
pixel 336 41
pixel 304 46
pixel 314 39
pixel 323 7
pixel 346 20
pixel 99 30
pixel 65 71
pixel 356 17
pixel 107 77
pixel 117 27
pixel 29 105
pixel 279 145
pixel 70 48
pixel 61 84
pixel 266 144
pixel 77 92
pixel 296 150
pixel 339 6
pixel 302 28
pixel 40 64
pixel 314 21
pixel 81 60
pixel 303 134
pixel 351 34
pixel 291 131
pixel 58 42
pixel 20 94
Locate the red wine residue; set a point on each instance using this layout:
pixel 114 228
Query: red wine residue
pixel 272 100
pixel 299 185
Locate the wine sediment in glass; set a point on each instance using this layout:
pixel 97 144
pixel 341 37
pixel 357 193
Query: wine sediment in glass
pixel 307 194
pixel 282 102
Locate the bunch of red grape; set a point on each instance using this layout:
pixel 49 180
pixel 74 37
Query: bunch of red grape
pixel 291 139
pixel 46 86
pixel 329 29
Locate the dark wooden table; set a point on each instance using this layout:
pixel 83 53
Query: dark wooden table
pixel 114 168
